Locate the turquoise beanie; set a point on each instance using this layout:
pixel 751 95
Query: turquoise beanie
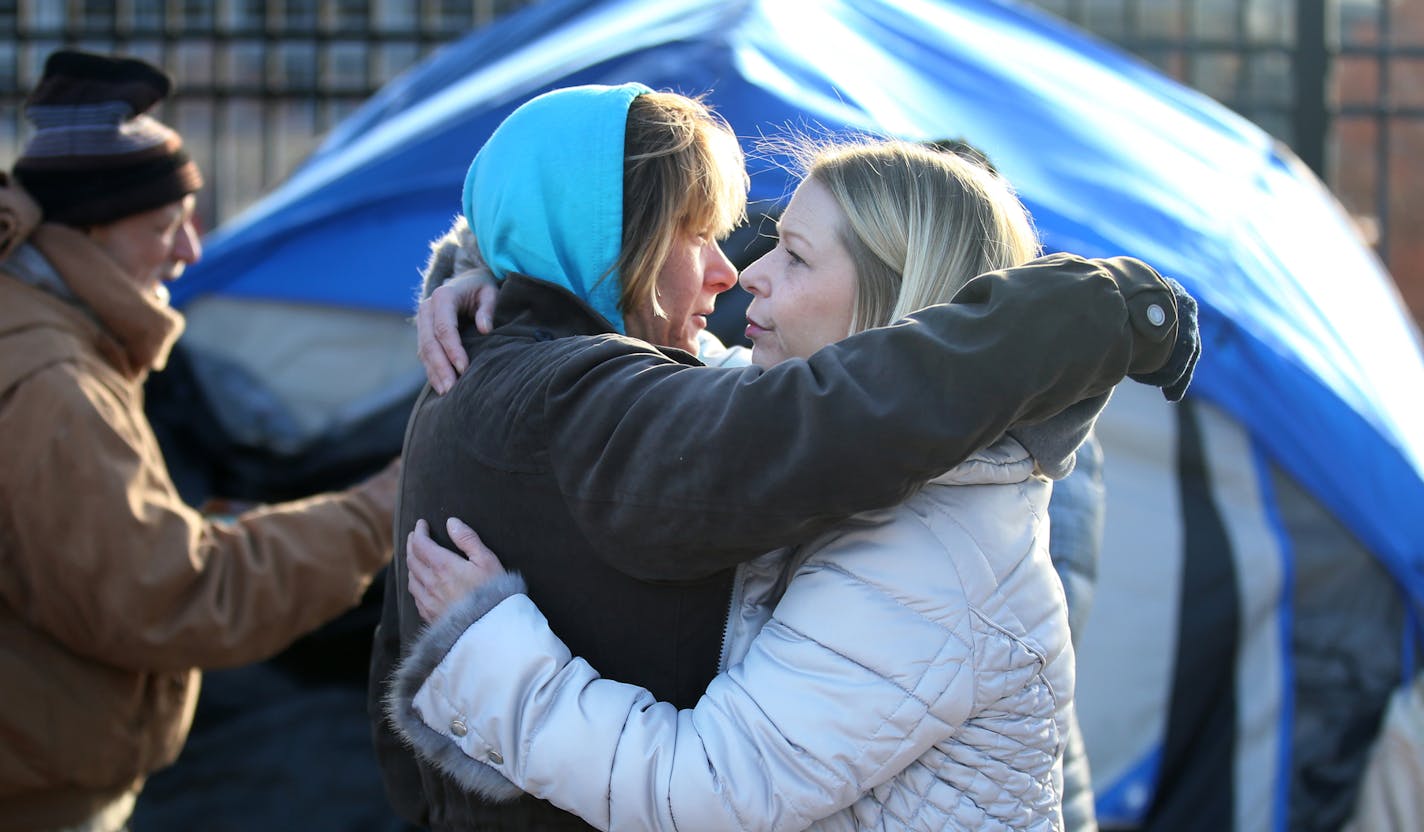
pixel 544 195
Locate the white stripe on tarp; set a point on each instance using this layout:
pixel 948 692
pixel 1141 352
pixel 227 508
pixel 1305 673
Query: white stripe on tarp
pixel 1128 649
pixel 1235 481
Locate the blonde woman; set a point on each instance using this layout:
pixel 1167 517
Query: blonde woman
pixel 909 668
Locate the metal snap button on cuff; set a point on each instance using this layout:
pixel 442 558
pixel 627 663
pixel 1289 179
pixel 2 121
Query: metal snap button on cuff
pixel 495 758
pixel 457 728
pixel 1156 315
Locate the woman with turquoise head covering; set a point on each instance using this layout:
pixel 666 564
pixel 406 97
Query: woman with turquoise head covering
pixel 623 478
pixel 559 214
pixel 560 221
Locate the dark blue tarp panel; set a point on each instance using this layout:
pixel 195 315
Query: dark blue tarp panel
pixel 1306 340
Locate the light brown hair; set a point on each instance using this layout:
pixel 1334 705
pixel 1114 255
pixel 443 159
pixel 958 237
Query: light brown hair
pixel 683 171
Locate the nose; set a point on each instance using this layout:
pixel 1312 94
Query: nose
pixel 187 248
pixel 754 278
pixel 719 274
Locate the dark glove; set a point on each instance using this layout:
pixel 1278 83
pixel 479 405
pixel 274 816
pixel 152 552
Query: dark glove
pixel 1176 374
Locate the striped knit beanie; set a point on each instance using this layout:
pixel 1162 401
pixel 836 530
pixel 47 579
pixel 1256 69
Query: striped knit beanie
pixel 95 156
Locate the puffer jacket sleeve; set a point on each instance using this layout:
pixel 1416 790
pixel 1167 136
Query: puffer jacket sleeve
pixel 824 707
pixel 102 554
pixel 672 476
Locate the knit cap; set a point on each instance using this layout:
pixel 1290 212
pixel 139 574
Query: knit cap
pixel 95 156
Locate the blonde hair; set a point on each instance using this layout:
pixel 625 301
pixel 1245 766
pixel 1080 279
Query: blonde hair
pixel 920 222
pixel 683 170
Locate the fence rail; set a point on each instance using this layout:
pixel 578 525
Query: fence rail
pixel 262 80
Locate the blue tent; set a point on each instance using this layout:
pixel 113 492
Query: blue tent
pixel 1309 353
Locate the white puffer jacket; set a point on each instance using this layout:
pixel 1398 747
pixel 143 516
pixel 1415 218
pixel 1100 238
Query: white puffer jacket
pixel 917 673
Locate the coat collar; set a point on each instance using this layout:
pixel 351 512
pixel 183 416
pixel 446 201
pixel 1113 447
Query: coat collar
pixel 532 308
pixel 140 329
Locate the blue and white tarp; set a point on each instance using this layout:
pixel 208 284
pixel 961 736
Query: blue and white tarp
pixel 1310 361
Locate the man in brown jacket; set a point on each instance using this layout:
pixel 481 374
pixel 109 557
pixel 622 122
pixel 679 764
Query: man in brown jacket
pixel 112 590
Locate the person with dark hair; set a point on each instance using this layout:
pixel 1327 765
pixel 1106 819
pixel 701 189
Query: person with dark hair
pixel 626 480
pixel 113 592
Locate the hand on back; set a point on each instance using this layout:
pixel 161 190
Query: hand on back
pixel 469 294
pixel 439 577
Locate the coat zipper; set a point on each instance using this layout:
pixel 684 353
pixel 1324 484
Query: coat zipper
pixel 739 580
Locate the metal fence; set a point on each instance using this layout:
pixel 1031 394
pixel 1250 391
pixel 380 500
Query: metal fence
pixel 1248 54
pixel 1377 160
pixel 262 80
pixel 1339 81
pixel 259 81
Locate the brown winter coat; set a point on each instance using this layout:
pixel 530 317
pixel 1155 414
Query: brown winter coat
pixel 112 590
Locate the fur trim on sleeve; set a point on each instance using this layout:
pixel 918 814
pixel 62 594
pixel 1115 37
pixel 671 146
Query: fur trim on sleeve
pixel 426 653
pixel 454 252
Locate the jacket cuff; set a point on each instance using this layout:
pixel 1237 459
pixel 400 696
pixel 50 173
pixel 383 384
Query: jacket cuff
pixel 1176 374
pixel 1151 308
pixel 1054 442
pixel 429 649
